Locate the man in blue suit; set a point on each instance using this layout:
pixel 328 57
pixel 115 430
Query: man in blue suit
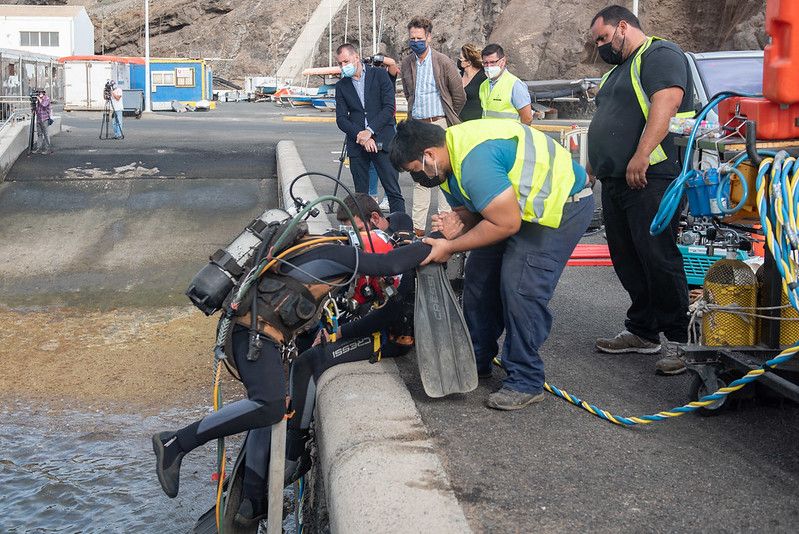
pixel 365 102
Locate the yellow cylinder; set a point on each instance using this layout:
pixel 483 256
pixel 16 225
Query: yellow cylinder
pixel 789 330
pixel 732 284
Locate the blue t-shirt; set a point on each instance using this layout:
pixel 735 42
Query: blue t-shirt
pixel 484 175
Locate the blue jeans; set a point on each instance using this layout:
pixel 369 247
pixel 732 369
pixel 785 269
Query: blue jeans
pixel 372 180
pixel 507 287
pixel 117 124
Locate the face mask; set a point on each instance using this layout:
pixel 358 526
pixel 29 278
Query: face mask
pixel 493 71
pixel 422 178
pixel 348 71
pixel 608 54
pixel 418 47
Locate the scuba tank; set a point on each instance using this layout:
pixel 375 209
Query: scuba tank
pixel 730 283
pixel 789 330
pixel 213 283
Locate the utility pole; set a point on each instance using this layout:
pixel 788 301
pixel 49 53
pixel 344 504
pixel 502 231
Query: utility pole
pixel 147 92
pixel 374 28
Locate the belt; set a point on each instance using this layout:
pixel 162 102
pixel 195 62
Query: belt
pixel 587 192
pixel 432 119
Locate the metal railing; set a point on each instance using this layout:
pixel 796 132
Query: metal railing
pixel 13 109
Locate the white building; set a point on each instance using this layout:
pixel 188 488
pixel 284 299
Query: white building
pixel 52 30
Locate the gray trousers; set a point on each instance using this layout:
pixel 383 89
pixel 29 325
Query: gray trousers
pixel 43 137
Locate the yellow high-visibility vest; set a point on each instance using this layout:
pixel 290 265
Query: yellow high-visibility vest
pixel 542 175
pixel 658 155
pixel 496 101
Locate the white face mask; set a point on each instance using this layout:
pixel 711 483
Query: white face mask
pixel 493 71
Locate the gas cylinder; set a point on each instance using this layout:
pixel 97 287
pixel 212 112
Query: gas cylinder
pixel 781 55
pixel 730 283
pixel 789 328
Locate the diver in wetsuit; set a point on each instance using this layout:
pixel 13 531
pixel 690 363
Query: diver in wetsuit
pixel 385 332
pixel 263 376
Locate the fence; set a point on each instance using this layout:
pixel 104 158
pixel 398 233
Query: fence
pixel 21 72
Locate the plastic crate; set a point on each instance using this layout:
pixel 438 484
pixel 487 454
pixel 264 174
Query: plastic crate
pixel 696 261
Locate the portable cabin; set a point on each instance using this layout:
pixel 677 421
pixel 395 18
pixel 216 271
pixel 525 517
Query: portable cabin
pixel 187 81
pixel 85 78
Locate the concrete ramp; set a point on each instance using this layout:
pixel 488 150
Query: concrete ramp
pixel 104 224
pixel 302 52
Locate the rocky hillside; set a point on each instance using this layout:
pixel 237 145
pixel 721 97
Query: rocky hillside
pixel 544 38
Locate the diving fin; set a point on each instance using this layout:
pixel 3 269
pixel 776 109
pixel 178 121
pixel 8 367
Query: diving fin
pixel 444 349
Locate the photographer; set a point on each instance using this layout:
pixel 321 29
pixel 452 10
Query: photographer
pixel 379 60
pixel 115 96
pixel 43 120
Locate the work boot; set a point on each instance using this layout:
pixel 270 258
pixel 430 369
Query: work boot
pixel 508 399
pixel 419 232
pixel 250 512
pixel 671 363
pixel 626 342
pixel 168 456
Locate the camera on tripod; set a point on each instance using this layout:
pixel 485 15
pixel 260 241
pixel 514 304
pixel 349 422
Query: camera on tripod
pixel 375 60
pixel 33 95
pixel 109 87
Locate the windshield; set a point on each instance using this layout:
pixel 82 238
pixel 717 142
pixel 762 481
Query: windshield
pixel 739 74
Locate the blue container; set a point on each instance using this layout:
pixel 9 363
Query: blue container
pixel 702 189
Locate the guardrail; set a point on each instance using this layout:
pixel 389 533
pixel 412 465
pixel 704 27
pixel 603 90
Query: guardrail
pixel 13 108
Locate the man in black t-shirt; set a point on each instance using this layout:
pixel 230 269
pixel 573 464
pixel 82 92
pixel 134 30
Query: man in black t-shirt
pixel 632 153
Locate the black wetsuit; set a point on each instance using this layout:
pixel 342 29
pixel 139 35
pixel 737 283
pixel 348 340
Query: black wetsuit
pixel 393 322
pixel 264 378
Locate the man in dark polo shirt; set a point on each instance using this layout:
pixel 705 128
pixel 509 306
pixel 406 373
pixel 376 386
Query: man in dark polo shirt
pixel 632 153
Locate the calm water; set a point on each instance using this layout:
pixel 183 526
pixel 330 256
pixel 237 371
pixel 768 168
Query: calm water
pixel 78 471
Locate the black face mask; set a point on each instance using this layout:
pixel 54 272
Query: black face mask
pixel 421 178
pixel 608 54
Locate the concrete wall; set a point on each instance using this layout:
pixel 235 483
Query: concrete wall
pixel 380 469
pixel 14 142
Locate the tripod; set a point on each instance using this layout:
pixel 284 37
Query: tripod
pixel 105 123
pixel 32 128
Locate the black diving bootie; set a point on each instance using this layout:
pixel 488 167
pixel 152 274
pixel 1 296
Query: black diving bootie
pixel 250 512
pixel 168 456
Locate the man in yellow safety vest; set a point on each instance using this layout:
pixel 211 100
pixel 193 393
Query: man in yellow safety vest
pixel 503 95
pixel 634 156
pixel 520 205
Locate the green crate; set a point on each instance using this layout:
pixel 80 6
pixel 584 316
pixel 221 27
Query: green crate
pixel 696 262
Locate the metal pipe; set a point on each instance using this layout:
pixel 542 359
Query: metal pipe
pixel 147 92
pixel 635 7
pixel 374 28
pixel 347 21
pixel 360 39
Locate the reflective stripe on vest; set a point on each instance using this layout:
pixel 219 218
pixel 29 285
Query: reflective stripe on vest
pixel 658 155
pixel 496 101
pixel 542 175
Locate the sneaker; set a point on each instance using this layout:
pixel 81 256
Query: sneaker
pixel 168 456
pixel 508 399
pixel 250 512
pixel 671 364
pixel 626 342
pixel 384 205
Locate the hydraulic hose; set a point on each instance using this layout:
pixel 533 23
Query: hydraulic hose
pixel 725 179
pixel 673 195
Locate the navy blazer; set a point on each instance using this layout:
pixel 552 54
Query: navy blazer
pixel 380 97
